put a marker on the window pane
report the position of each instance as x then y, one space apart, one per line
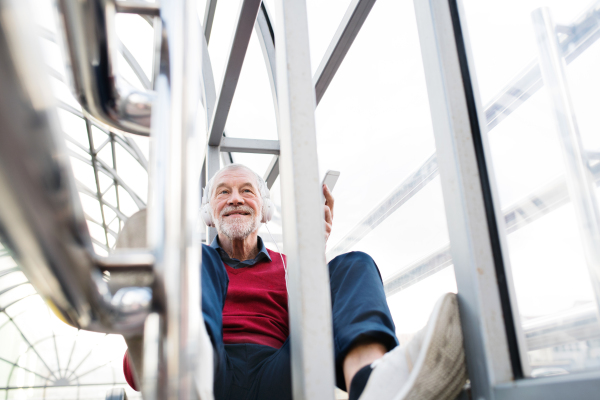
57 362
550 271
374 126
252 114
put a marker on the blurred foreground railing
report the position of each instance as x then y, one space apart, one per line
40 213
93 48
153 296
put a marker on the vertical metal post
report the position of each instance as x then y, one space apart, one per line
211 158
213 164
302 211
468 198
152 358
580 181
175 236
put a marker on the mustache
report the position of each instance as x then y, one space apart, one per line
229 209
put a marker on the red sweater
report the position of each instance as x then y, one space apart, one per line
256 304
256 307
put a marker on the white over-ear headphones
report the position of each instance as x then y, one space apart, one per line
268 208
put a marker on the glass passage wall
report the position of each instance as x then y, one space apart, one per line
41 357
374 125
544 146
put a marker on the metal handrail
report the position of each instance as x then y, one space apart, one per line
92 48
40 213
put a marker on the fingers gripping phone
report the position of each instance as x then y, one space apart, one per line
330 180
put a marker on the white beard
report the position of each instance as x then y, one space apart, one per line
240 228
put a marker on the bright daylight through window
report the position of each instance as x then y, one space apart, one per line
374 125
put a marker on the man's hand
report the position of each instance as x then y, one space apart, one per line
328 207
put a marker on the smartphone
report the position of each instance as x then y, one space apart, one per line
330 180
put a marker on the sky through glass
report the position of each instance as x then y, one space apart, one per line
373 125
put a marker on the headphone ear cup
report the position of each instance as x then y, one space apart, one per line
206 217
268 210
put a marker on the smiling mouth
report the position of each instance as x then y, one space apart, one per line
236 213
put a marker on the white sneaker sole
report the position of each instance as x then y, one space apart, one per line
440 371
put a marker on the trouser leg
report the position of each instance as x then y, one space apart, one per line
274 381
359 310
359 307
214 290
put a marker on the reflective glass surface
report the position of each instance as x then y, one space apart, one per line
545 237
252 113
374 126
41 357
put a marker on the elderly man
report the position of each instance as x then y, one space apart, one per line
244 304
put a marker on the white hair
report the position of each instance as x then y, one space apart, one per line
262 186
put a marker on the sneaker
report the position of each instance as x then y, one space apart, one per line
430 367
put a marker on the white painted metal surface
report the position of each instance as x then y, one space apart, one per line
353 20
237 53
259 146
303 226
486 343
178 258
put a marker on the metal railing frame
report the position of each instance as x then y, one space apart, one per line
494 342
42 219
92 47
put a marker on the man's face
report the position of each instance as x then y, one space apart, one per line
236 203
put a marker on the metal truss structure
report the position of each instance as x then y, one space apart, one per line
111 140
164 108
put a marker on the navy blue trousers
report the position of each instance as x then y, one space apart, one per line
258 372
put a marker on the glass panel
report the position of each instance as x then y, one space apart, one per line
552 283
127 205
63 93
10 334
408 318
220 38
132 172
257 162
91 206
57 362
324 17
23 378
77 149
12 296
74 127
356 116
374 126
11 280
5 368
106 183
141 142
127 73
44 14
252 114
137 36
6 262
97 232
84 173
106 155
52 57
